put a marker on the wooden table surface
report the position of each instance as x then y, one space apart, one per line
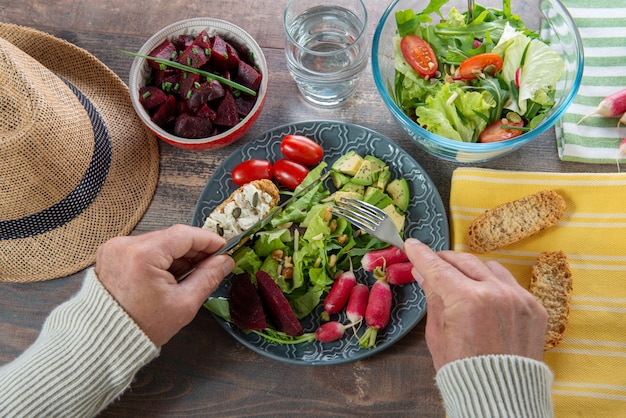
203 371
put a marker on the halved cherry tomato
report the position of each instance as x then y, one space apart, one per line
496 133
488 63
301 149
289 173
420 56
249 170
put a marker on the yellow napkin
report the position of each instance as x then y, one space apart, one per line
590 363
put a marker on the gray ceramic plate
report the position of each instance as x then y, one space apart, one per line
427 221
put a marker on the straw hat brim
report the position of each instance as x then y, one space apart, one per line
131 180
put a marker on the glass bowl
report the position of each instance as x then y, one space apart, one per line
548 17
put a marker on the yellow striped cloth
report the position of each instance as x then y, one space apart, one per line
590 363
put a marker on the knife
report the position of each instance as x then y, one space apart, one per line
256 227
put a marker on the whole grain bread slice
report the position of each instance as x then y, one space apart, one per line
551 284
260 187
513 221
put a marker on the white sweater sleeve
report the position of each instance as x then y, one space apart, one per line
496 386
86 356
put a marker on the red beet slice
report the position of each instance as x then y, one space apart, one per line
248 76
189 126
245 103
184 41
165 79
151 97
188 84
223 55
227 114
165 114
207 92
206 112
203 40
193 56
280 311
163 51
246 308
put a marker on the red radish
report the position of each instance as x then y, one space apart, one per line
383 258
357 303
377 313
612 105
339 293
400 273
331 331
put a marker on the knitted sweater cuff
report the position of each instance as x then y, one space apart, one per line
86 355
496 386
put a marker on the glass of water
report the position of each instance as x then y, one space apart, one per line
326 48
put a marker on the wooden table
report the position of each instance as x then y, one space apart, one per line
203 371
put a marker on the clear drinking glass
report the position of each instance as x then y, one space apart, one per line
326 48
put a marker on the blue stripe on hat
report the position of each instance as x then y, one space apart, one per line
78 199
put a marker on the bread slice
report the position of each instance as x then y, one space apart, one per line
243 208
551 284
513 221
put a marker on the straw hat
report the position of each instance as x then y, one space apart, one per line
77 166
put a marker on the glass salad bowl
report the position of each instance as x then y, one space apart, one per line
549 18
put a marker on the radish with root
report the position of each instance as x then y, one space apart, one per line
339 293
357 303
383 258
611 106
377 313
331 331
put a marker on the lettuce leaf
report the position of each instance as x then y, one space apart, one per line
456 113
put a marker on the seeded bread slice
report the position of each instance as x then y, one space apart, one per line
513 221
244 207
551 284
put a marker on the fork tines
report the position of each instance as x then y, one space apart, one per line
362 214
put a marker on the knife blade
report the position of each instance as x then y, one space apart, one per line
256 227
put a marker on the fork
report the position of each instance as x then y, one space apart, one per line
370 219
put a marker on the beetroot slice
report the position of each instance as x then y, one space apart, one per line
223 55
184 41
248 76
165 114
163 51
207 92
245 103
246 308
280 311
193 56
203 40
227 114
188 84
151 97
206 112
188 126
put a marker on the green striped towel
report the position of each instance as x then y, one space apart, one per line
602 27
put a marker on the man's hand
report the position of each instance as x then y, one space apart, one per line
140 273
475 308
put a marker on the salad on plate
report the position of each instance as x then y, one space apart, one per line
485 78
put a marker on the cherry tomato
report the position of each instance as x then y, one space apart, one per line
488 63
420 56
289 173
496 133
301 149
249 170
